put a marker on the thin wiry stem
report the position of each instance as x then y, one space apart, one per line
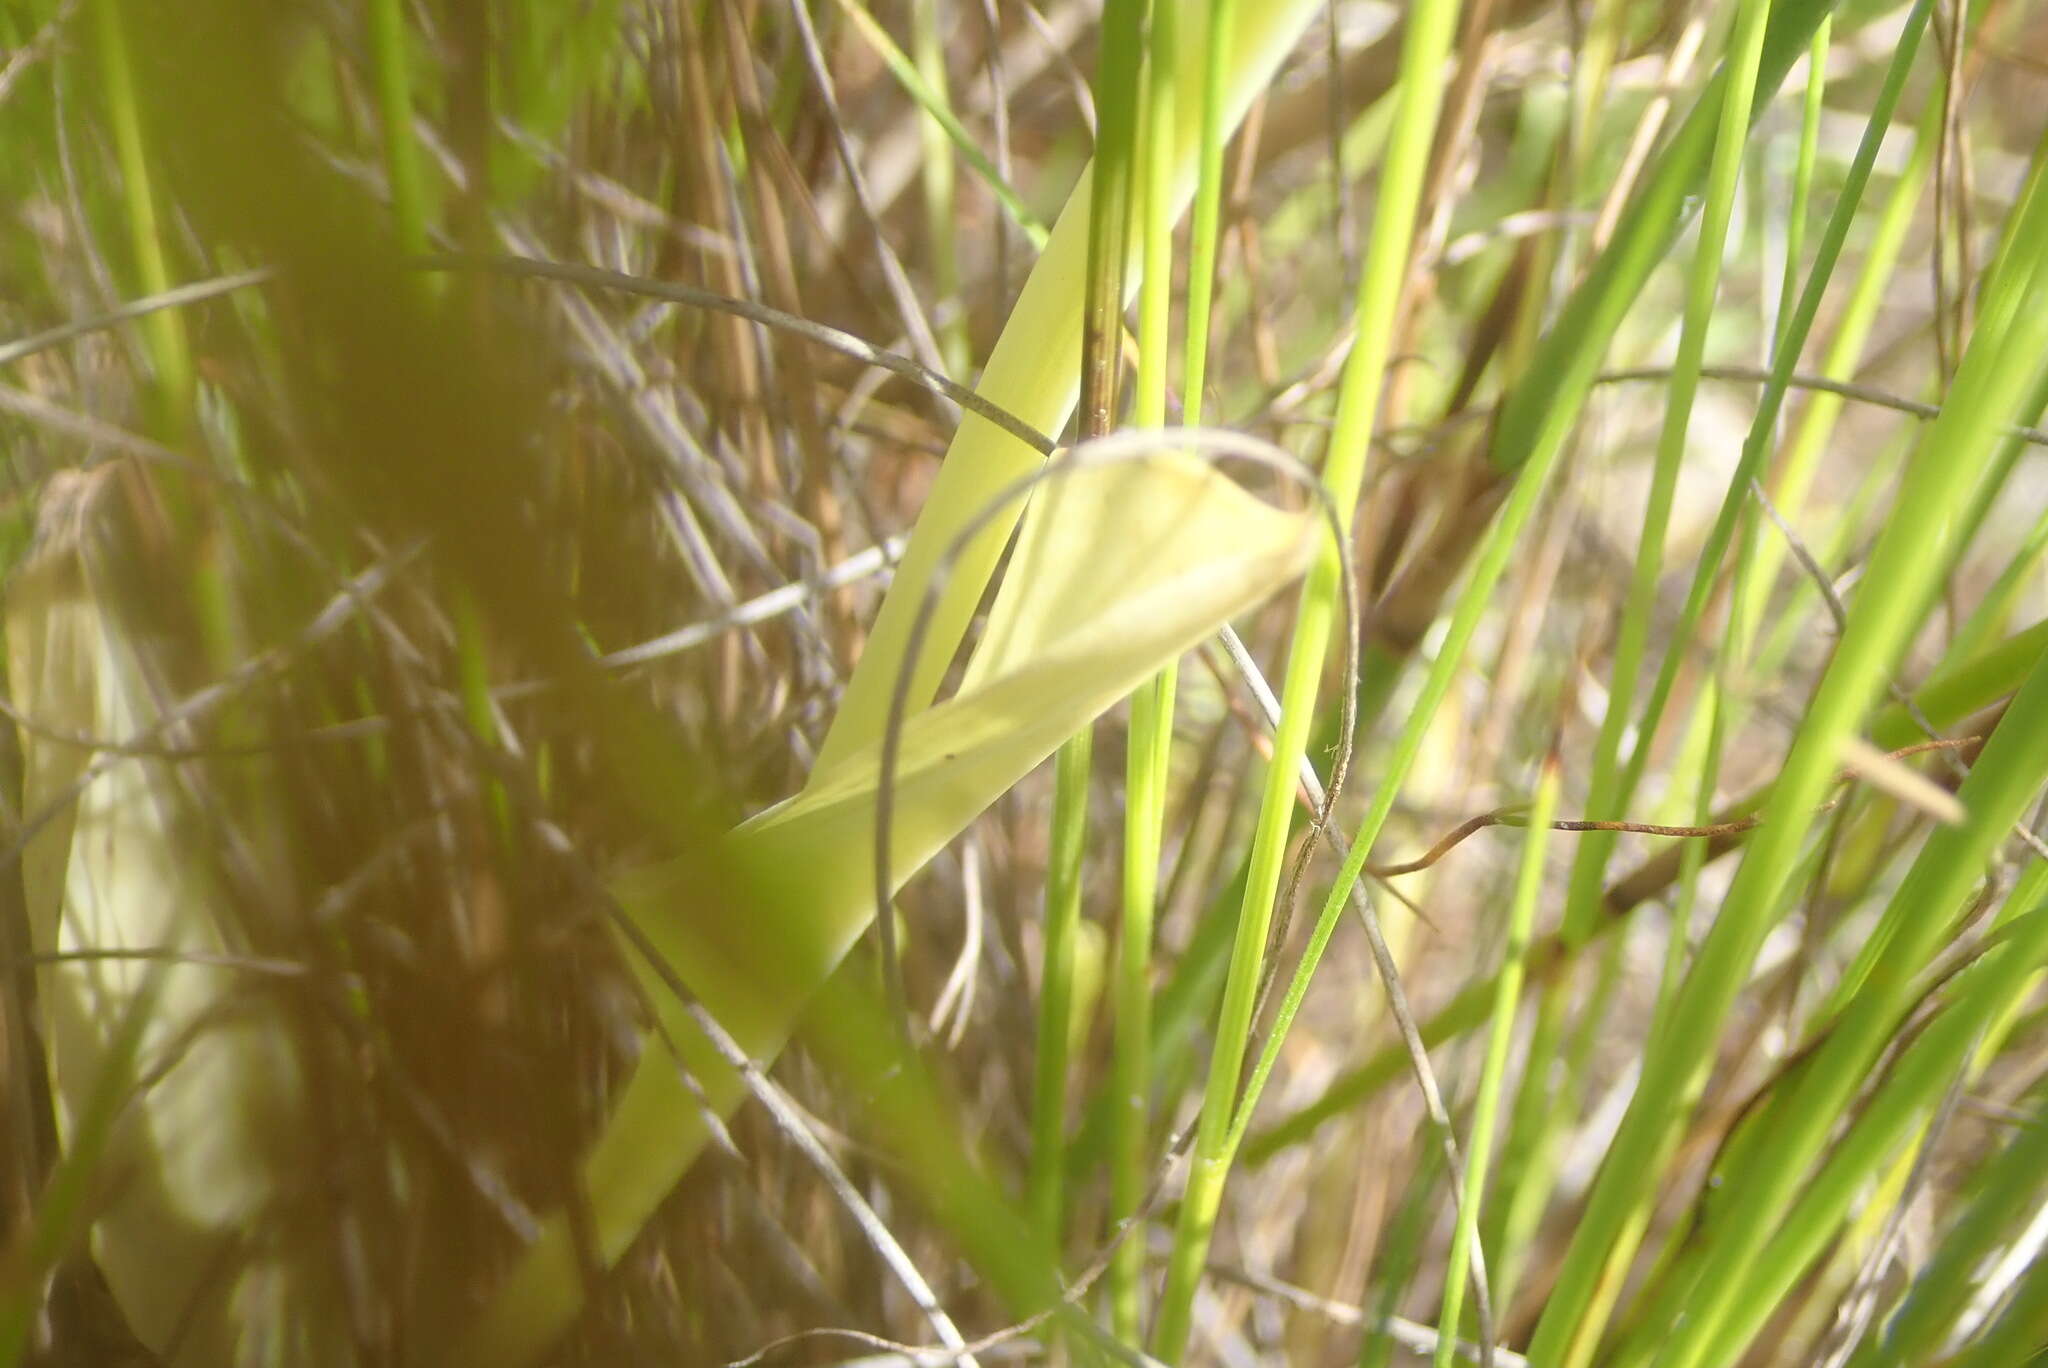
919 329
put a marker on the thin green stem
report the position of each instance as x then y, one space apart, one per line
1044 1184
935 107
169 351
1151 735
935 168
1493 1073
1953 692
1802 170
1208 210
1425 48
2000 784
1801 458
388 52
1905 571
1606 797
1764 424
1605 794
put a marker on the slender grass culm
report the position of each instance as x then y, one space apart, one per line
670 694
1427 41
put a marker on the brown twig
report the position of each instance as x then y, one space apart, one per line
1510 816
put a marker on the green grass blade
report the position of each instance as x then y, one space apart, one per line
170 351
1033 372
1425 48
1905 570
1493 1073
388 50
1045 1184
938 109
1137 98
1128 565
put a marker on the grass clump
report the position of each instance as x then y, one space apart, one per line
637 652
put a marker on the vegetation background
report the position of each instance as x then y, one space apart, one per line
459 461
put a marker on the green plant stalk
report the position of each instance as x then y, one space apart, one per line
1802 170
2000 784
1873 948
1953 692
935 169
1904 572
2008 1187
1047 1170
1108 182
938 110
1110 178
1425 48
1719 710
1590 1036
1613 1281
1844 353
1208 209
1529 1155
1493 1073
1992 611
170 353
1606 795
1666 1278
1570 153
389 56
1985 992
1203 239
1606 798
1764 424
1496 545
1487 568
1148 753
1722 719
1192 987
1543 1101
1184 1005
1564 363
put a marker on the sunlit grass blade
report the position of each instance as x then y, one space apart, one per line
1033 373
1128 565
